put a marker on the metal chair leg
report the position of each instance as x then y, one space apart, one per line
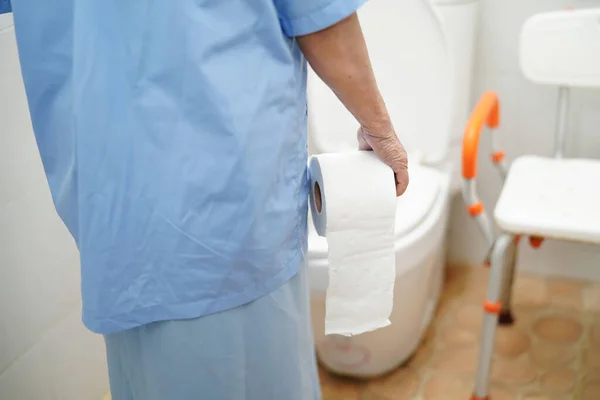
492 307
506 316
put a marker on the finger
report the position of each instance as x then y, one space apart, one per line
391 152
401 182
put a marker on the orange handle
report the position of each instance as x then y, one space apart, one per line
486 111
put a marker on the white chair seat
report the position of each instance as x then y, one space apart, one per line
551 198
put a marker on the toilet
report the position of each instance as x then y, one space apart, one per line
421 52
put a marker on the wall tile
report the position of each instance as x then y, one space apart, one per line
584 126
45 352
40 274
82 356
29 378
67 363
501 23
6 21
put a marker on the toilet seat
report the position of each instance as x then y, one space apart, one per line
412 208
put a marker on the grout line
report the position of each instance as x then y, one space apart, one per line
7 28
579 359
44 333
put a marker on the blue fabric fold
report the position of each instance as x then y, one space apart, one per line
5 6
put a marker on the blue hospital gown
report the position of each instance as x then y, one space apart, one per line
173 137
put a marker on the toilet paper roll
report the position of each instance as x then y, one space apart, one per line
353 205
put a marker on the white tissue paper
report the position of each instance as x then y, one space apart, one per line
353 205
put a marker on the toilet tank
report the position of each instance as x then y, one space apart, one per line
460 23
410 56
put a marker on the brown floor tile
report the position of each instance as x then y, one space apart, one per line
455 360
561 381
566 293
442 387
475 285
591 298
429 335
524 319
454 279
339 389
591 390
444 311
502 394
513 372
470 317
366 395
595 333
538 396
511 341
591 357
457 336
524 316
593 374
549 355
400 385
558 329
421 357
530 292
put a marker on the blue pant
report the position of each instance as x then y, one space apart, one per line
260 351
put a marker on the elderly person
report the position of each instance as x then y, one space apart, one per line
173 136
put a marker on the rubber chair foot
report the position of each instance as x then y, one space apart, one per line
505 318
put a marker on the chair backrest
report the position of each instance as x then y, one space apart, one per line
562 48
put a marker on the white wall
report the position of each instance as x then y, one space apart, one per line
45 352
527 126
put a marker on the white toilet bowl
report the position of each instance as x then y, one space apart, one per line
416 51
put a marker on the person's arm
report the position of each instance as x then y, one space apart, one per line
338 54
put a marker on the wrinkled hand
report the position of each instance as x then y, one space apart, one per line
388 148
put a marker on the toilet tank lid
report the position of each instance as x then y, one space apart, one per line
413 68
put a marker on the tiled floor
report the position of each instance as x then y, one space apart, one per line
551 353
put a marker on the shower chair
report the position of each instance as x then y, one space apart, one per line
542 197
